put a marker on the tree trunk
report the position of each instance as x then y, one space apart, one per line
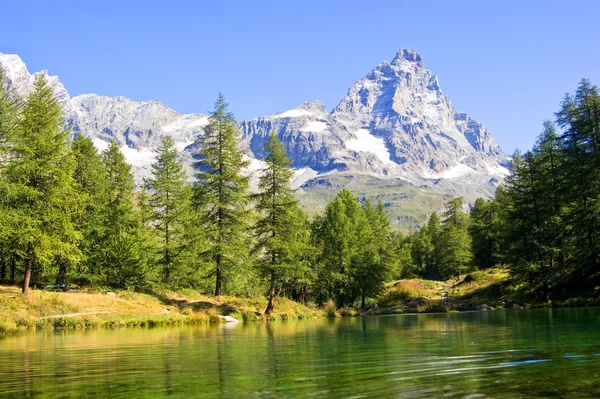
219 273
271 304
3 270
362 301
28 269
62 272
13 270
167 254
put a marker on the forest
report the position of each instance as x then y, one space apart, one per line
72 215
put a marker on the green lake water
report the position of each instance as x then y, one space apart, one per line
500 354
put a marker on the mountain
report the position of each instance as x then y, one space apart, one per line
395 136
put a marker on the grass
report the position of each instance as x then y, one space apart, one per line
478 290
95 307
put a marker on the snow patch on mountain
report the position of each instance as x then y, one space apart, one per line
138 158
303 175
497 170
186 122
292 113
366 142
100 144
183 145
314 126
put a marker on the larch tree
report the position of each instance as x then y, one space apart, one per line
125 261
341 250
170 200
454 241
37 185
10 107
281 232
91 184
377 258
221 193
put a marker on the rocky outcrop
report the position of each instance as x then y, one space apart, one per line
394 123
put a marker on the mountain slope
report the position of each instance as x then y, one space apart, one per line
395 136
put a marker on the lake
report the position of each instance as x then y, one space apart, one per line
500 354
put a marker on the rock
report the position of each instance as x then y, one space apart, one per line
257 314
111 294
395 124
229 319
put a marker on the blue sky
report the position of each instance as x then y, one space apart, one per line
506 63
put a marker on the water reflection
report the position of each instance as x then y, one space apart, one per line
498 354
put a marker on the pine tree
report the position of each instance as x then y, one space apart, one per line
91 184
433 254
484 231
125 261
580 119
10 107
454 241
280 230
171 202
377 260
339 235
37 187
221 192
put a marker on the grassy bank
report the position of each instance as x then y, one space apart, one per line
90 308
98 308
480 290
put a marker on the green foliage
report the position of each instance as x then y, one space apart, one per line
91 184
69 213
126 261
281 230
484 229
37 188
221 194
171 215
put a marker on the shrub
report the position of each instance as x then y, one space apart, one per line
329 308
400 293
434 307
7 327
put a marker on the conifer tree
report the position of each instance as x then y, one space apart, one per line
339 233
484 231
376 264
454 241
125 259
37 187
91 184
580 119
171 202
433 259
280 231
10 107
221 192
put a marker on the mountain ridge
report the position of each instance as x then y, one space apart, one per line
394 124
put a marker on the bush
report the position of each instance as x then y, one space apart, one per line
329 308
7 327
399 294
348 312
434 307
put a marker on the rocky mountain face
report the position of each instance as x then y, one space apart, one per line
395 136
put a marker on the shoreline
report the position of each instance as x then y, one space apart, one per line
97 308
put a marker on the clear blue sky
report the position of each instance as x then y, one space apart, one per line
506 63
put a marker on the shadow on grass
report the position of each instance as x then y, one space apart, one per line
223 309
